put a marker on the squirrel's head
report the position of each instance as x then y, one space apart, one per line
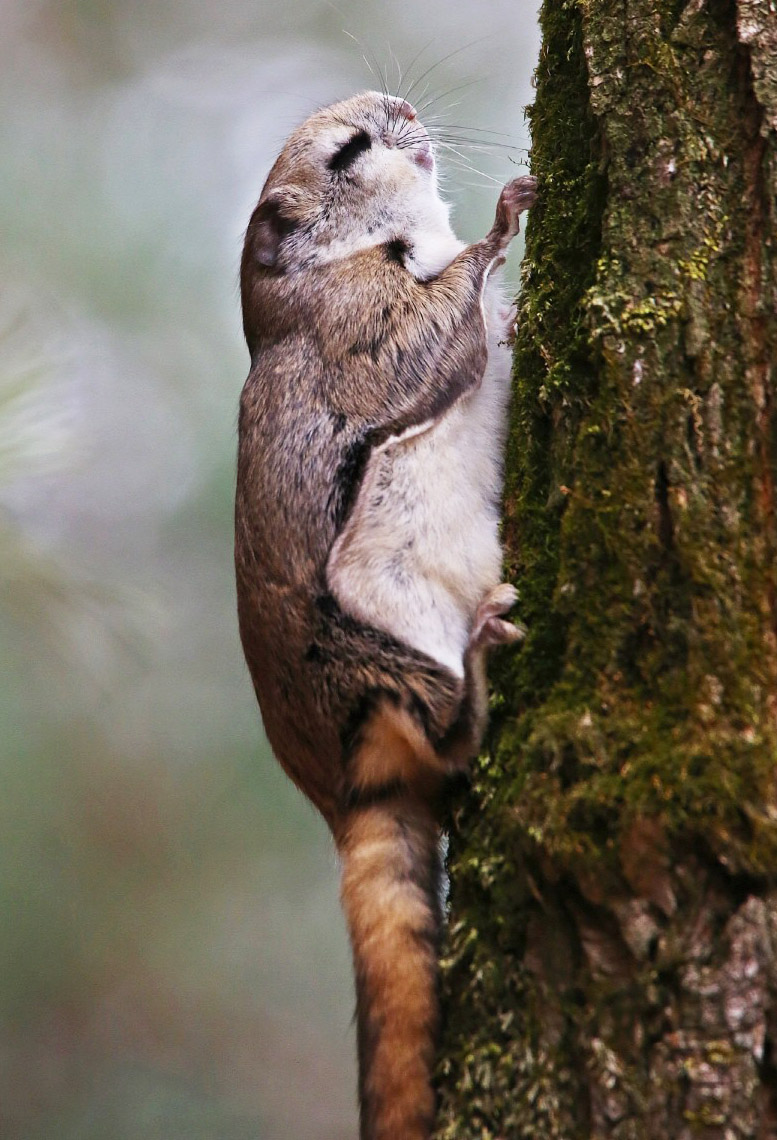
354 174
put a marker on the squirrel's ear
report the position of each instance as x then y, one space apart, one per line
270 223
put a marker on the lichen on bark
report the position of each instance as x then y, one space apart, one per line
610 960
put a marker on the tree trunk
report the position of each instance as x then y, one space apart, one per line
611 959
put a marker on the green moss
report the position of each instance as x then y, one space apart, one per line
554 372
639 713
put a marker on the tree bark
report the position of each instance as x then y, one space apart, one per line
611 960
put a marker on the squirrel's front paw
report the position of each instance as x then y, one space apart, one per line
489 628
517 196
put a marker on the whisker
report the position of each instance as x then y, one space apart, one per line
397 104
377 71
422 95
445 58
459 183
393 55
444 133
413 62
409 143
414 134
468 165
475 130
482 147
450 91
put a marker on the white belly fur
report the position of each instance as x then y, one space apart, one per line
421 546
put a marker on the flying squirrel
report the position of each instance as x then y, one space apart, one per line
367 550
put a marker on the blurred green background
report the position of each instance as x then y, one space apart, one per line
172 957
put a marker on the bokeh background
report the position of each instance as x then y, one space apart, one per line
172 957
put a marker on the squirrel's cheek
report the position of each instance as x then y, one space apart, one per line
423 157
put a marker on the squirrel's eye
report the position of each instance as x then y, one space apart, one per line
350 151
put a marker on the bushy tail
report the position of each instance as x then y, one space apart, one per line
390 893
